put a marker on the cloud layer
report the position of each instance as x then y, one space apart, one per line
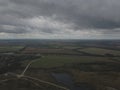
81 19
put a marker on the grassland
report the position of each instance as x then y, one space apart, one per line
100 51
99 80
85 63
50 51
10 48
52 61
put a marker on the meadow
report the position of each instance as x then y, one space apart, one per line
51 61
10 48
100 51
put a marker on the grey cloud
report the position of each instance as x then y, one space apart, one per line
84 13
12 29
99 15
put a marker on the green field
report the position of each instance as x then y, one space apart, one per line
51 61
100 51
100 80
10 48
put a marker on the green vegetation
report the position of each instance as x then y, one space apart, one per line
50 51
10 48
72 47
51 61
100 51
92 63
99 80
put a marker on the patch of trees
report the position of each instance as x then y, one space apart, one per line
14 61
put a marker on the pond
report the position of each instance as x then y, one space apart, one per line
66 79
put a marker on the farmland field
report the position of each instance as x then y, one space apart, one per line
90 63
50 51
100 51
51 61
10 48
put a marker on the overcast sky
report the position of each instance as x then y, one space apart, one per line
60 19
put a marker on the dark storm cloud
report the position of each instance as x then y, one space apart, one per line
99 15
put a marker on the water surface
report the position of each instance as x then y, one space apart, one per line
66 79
